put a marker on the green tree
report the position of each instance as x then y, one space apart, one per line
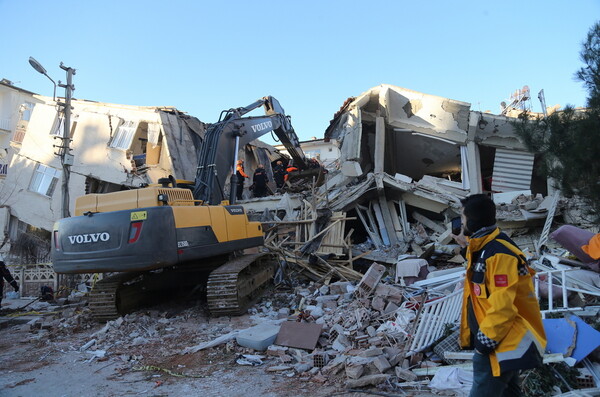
569 140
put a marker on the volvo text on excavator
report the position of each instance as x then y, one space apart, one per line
162 237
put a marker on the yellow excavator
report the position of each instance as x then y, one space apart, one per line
169 236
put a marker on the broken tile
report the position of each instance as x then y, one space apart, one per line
300 335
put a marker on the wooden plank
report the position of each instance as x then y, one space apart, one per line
428 223
548 358
385 237
395 220
375 238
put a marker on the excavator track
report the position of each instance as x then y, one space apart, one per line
110 297
234 286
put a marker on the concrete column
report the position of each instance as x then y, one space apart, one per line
379 154
474 162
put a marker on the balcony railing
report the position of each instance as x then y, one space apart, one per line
20 133
5 125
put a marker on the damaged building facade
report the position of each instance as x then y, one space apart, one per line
404 153
114 147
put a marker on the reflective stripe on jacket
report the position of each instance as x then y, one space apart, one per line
499 292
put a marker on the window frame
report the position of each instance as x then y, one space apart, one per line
123 136
44 180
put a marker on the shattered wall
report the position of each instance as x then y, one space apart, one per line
421 134
114 147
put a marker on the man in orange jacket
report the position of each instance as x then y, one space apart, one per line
290 168
241 175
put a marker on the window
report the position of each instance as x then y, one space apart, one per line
124 135
26 109
44 180
59 125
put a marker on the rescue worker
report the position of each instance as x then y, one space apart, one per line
592 248
259 181
241 175
279 174
501 317
290 168
5 275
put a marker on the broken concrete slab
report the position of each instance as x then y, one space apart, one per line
355 371
405 374
259 337
382 364
373 380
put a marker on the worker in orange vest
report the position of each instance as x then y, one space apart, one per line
241 175
290 168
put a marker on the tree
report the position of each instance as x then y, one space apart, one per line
569 140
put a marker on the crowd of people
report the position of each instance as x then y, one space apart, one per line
260 178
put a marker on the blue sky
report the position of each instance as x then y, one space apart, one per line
206 56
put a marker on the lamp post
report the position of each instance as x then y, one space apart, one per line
66 158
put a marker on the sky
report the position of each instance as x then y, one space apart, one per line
203 57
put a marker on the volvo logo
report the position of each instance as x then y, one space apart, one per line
89 238
262 126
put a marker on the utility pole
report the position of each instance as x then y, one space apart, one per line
66 158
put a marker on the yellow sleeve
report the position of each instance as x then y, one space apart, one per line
502 281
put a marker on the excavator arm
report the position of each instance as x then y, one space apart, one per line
218 153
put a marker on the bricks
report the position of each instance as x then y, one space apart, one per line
381 363
370 279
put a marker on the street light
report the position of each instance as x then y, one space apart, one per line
38 66
66 158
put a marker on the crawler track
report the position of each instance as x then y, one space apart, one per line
110 296
232 287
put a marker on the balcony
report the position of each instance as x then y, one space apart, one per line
20 132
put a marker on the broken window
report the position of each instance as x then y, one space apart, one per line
93 185
417 154
124 135
59 123
44 180
26 110
24 115
16 227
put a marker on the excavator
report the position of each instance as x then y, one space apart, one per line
167 236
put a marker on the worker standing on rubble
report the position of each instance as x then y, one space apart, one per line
290 168
279 174
241 175
501 317
259 181
5 275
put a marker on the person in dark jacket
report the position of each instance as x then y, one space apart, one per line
501 316
279 174
5 275
259 181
